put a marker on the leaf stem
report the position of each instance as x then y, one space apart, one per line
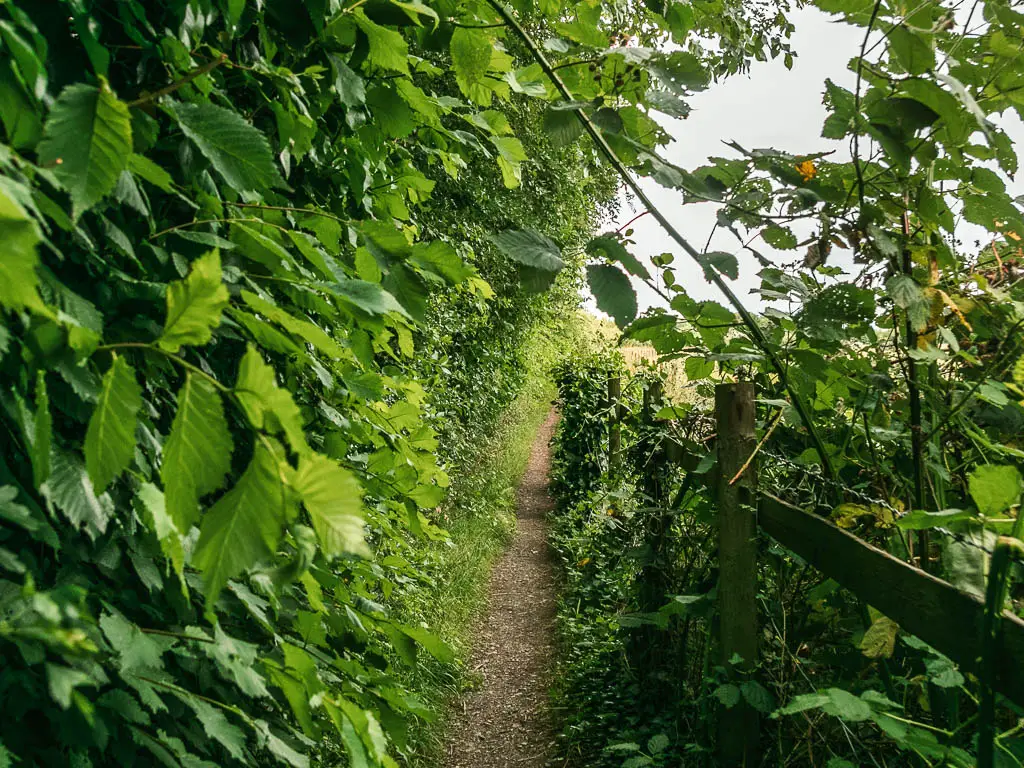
174 358
201 70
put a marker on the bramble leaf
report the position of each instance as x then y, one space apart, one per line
530 248
995 488
613 292
19 280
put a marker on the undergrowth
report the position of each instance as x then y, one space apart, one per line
479 516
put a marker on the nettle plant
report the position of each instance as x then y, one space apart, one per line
217 455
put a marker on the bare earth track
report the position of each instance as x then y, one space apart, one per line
505 723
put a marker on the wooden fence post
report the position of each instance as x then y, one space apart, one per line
738 727
614 429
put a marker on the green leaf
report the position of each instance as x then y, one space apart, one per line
42 432
304 329
563 126
239 152
912 50
333 498
31 520
995 488
610 246
244 527
19 281
779 237
268 407
920 519
197 455
846 706
88 138
613 292
110 438
350 86
471 51
69 489
907 295
369 297
757 696
136 650
144 167
728 694
159 521
388 49
659 742
879 640
723 262
194 305
62 682
530 248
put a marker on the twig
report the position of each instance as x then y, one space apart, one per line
757 448
207 67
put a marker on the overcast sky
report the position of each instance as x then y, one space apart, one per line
769 107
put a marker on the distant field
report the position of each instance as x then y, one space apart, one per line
678 389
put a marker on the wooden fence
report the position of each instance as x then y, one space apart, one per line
938 613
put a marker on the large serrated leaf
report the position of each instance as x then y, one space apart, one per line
154 505
267 406
69 489
369 297
613 292
19 280
611 246
333 498
197 456
239 152
388 49
110 438
88 138
304 329
530 248
194 305
471 51
245 525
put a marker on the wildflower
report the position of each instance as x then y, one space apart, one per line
807 170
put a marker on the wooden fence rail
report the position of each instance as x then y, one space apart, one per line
945 617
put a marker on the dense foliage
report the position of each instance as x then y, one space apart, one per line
887 357
248 286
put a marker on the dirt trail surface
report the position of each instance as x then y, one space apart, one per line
505 723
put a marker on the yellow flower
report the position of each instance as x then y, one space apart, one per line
583 562
807 170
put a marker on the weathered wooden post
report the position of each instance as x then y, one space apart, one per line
738 727
614 428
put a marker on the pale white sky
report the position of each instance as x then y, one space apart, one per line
769 107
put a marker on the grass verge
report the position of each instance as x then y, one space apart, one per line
479 515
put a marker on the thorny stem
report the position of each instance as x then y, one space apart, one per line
595 134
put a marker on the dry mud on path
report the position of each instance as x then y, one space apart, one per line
505 722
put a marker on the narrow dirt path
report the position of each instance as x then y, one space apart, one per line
505 723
